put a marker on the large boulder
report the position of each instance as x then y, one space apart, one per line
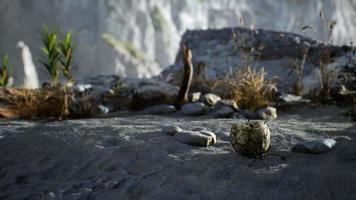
217 53
251 139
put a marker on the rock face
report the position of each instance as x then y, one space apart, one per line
251 139
222 51
154 27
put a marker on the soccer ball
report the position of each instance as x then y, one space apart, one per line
251 139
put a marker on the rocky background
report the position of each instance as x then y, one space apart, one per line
145 34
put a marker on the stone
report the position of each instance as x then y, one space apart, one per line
194 109
194 97
342 138
227 103
210 99
152 92
194 138
251 139
267 113
225 112
82 87
198 128
161 109
247 114
209 133
284 97
171 130
315 146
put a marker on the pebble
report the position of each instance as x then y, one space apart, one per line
161 109
315 146
342 138
194 138
209 133
194 109
194 97
171 130
267 113
226 103
198 128
210 99
225 112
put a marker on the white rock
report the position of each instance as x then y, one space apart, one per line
209 133
267 113
194 97
194 138
210 99
194 109
171 130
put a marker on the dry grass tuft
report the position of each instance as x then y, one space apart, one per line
34 103
248 87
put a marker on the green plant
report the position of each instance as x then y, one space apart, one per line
66 50
51 54
4 74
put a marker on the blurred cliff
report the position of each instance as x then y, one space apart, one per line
138 38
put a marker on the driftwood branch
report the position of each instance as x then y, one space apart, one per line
182 97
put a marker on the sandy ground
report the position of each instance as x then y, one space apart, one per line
128 157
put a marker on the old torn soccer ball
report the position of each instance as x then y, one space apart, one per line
250 139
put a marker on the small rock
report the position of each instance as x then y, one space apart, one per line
289 98
209 133
226 103
210 99
51 195
248 114
83 87
171 130
161 109
315 146
225 112
194 138
267 113
342 138
85 190
194 97
198 128
103 109
110 184
194 109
